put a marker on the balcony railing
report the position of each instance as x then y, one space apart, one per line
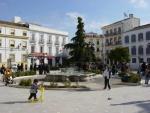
41 41
113 44
49 42
57 43
112 34
32 41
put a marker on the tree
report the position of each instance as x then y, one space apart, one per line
80 51
120 54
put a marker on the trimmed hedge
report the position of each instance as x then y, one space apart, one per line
131 78
25 82
23 73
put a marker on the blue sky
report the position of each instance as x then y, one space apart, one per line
61 14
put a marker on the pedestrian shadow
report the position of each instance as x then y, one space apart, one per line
132 102
143 105
14 102
85 90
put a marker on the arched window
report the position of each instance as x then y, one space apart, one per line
133 38
140 36
148 49
140 50
126 39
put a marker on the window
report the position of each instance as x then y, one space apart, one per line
32 49
24 33
57 40
50 38
148 60
41 38
115 31
57 50
133 60
12 43
97 49
64 40
140 37
140 50
111 31
148 49
50 50
12 57
41 49
24 58
12 31
24 44
141 60
33 37
133 50
0 42
0 58
107 32
133 38
119 30
97 42
148 35
126 39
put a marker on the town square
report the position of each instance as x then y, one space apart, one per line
78 56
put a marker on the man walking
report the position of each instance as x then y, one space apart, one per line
106 75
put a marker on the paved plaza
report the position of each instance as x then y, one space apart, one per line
135 99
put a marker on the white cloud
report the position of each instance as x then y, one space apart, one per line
95 26
143 22
90 25
75 15
139 3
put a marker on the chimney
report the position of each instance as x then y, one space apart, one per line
130 15
17 19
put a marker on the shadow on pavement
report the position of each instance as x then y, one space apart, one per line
85 90
15 102
145 105
133 102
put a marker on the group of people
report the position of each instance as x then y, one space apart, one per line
144 71
42 68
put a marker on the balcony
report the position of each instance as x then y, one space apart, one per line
63 43
32 41
112 34
49 42
41 41
57 43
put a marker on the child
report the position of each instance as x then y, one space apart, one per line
33 90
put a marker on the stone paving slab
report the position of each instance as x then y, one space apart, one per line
124 100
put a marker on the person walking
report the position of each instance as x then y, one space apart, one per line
147 74
106 75
34 90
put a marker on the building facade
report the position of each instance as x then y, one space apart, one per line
13 43
97 42
46 45
22 42
113 33
138 42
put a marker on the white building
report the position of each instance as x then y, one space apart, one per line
46 45
97 41
13 43
138 42
113 33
